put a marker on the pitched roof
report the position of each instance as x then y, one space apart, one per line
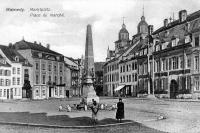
11 54
190 17
34 46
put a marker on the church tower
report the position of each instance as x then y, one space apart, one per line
123 39
142 27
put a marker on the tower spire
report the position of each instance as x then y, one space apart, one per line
143 10
123 25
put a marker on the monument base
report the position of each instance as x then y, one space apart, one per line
89 99
89 93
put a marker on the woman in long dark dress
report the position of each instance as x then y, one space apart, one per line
120 110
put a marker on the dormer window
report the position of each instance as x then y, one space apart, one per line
187 39
145 51
17 58
40 55
26 62
58 57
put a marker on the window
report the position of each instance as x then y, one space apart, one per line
37 79
133 66
43 79
174 43
60 91
129 78
49 78
56 91
55 68
15 93
197 83
0 92
196 41
49 67
18 70
43 66
127 68
170 63
7 82
4 93
164 64
43 92
136 77
197 63
14 70
188 61
1 72
175 62
121 69
181 62
1 83
18 81
17 58
55 79
157 66
26 71
37 92
61 68
14 81
37 66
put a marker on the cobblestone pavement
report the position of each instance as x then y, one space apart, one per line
180 116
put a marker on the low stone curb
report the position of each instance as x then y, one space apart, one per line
57 126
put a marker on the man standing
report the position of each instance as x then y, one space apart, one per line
120 110
95 109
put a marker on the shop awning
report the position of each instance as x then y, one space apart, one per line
119 87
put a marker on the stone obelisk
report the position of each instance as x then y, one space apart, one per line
89 73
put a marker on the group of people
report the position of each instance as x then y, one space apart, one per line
119 114
95 107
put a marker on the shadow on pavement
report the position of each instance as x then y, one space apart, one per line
42 118
65 120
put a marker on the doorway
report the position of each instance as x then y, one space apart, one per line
7 93
49 91
173 89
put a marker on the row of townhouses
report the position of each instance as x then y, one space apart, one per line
30 70
164 62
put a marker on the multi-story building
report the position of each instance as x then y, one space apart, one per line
47 72
111 67
163 62
73 77
124 57
98 84
176 56
14 74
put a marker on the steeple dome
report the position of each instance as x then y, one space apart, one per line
142 26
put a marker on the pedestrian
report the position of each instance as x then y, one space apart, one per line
120 110
95 109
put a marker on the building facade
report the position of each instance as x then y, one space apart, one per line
47 72
176 56
164 62
14 74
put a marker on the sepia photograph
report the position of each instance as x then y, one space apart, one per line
100 66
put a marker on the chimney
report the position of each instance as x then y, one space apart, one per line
150 29
40 43
35 42
48 46
10 45
182 15
165 22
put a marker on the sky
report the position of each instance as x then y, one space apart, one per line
67 34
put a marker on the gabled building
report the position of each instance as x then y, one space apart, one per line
47 72
14 74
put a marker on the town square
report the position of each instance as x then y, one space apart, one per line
87 66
